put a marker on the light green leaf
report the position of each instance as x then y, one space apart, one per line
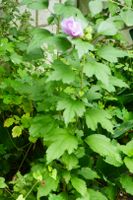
95 6
96 195
82 47
16 131
8 122
70 161
79 185
118 82
88 173
39 37
62 72
94 93
129 3
35 4
107 28
20 197
111 54
51 185
57 197
67 11
103 146
127 183
127 17
71 109
63 141
101 71
95 116
129 163
128 148
16 58
2 183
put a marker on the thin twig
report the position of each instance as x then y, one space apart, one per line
24 157
119 4
31 189
36 18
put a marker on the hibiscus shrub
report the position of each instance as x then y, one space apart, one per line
66 103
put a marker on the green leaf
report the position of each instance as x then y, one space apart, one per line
16 131
8 122
127 17
67 11
123 129
20 197
70 161
79 185
50 185
117 82
129 3
127 183
35 4
82 47
96 195
2 183
57 197
71 109
110 192
39 37
63 141
42 126
129 163
88 173
128 148
101 71
111 54
107 28
95 116
16 58
94 93
62 72
103 146
95 6
61 43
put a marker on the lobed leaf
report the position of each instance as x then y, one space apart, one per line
103 146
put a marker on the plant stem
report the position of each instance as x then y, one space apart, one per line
119 4
36 18
24 157
31 189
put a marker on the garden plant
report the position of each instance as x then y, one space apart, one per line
66 101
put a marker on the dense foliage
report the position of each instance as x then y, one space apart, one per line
66 104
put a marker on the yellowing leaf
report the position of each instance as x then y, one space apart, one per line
8 122
16 131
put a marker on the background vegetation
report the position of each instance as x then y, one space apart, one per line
66 104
